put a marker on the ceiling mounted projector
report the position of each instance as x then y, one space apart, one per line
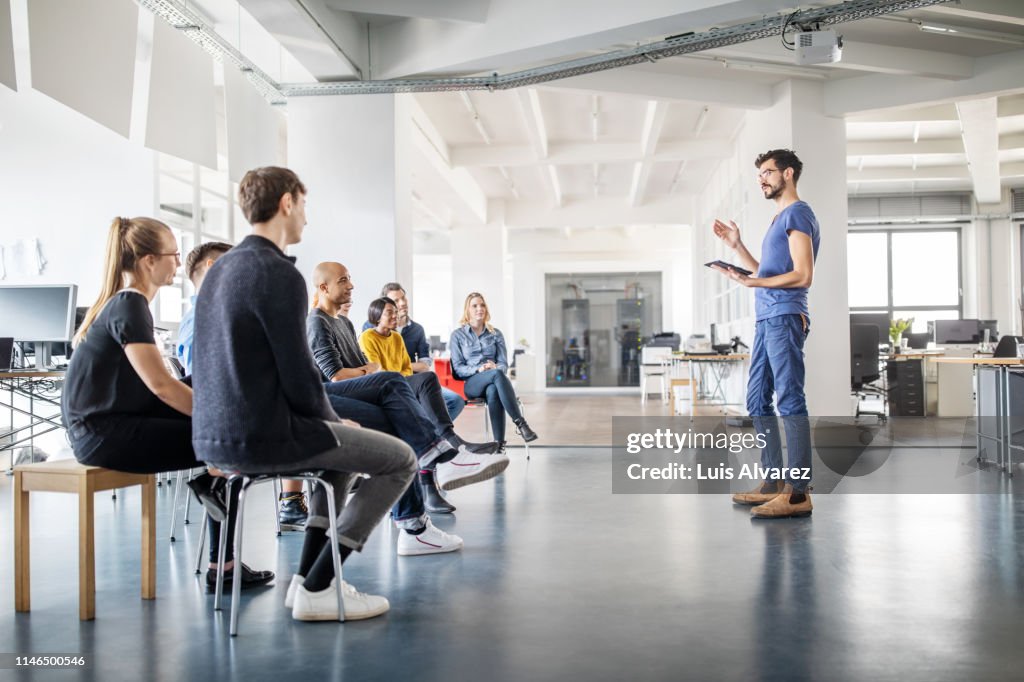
818 47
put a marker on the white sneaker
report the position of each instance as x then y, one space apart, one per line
468 468
432 540
289 597
323 605
440 447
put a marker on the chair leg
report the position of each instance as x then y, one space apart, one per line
222 547
332 513
188 501
202 544
236 583
277 496
174 505
643 387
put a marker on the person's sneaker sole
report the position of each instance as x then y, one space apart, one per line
484 474
322 617
293 526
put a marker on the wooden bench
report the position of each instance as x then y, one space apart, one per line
68 476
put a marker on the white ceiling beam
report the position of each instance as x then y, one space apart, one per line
1002 11
600 211
1011 141
330 45
533 119
858 56
1012 170
993 75
642 82
1011 106
519 32
981 143
868 175
571 154
429 142
468 11
654 121
537 132
932 113
902 148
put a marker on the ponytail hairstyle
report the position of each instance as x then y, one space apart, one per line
129 240
465 311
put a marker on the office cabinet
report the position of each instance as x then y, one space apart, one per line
905 379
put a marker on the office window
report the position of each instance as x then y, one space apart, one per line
198 205
906 273
867 273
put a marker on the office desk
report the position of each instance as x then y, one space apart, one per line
42 390
711 372
995 427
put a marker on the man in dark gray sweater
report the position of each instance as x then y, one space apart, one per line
336 351
260 406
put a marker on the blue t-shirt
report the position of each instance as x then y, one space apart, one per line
776 260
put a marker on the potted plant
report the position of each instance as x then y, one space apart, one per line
896 329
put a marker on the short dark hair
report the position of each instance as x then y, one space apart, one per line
783 158
202 253
376 309
391 286
260 192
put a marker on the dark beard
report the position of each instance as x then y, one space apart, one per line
776 191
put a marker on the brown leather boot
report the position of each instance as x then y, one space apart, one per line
766 492
782 508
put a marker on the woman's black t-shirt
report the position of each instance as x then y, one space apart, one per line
100 380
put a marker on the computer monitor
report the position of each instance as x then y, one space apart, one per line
952 332
993 330
42 313
880 320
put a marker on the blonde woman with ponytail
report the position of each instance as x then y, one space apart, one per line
121 407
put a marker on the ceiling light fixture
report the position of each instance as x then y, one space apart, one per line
476 116
965 32
702 118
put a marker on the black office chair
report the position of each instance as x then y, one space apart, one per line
864 366
1007 347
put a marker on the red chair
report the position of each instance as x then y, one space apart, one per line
443 369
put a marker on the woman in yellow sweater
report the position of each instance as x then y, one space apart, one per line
381 343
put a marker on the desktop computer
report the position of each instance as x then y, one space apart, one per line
42 314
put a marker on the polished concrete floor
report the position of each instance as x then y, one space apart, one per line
560 579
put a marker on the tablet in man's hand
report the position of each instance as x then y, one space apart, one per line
729 266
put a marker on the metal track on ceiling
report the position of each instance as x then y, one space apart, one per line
182 18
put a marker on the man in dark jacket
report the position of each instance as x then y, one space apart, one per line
260 405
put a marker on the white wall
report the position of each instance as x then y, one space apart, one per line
344 151
63 177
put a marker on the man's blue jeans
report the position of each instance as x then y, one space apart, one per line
777 366
454 402
380 402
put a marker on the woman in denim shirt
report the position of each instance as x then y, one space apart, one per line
480 359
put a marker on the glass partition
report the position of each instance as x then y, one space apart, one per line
596 325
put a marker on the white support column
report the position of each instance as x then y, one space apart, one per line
797 120
350 152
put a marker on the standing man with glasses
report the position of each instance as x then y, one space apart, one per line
782 279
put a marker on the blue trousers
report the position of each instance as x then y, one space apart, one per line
454 402
501 398
777 367
383 401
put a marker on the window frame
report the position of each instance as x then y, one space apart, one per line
893 310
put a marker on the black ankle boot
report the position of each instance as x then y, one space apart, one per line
525 431
433 500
